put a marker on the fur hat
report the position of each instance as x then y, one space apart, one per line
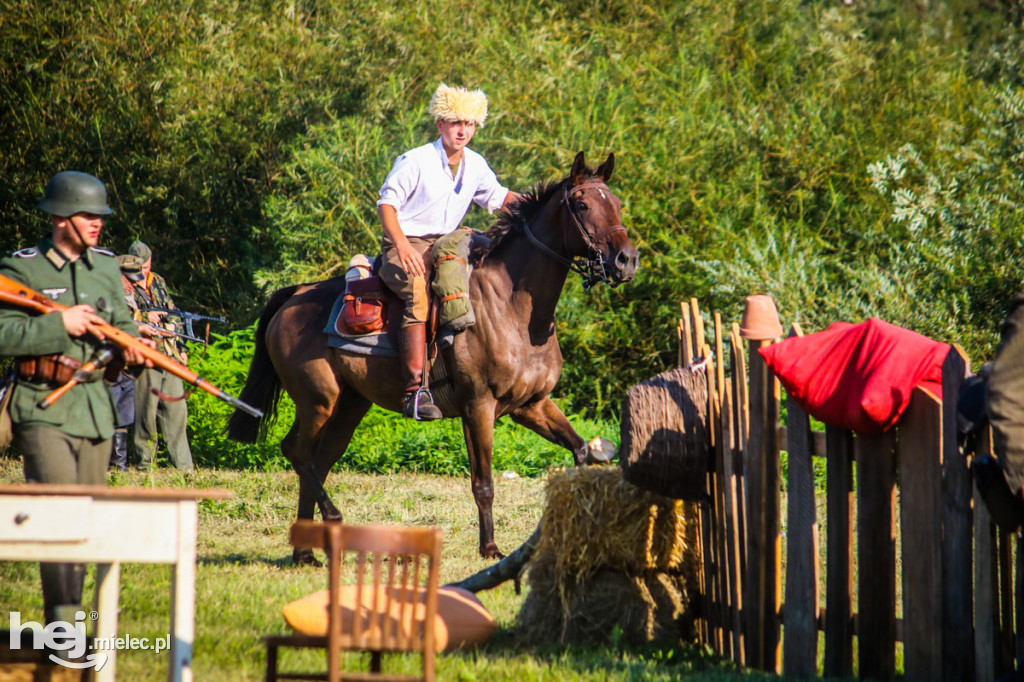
459 104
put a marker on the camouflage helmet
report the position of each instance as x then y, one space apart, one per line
71 192
131 267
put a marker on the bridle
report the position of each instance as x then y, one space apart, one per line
590 268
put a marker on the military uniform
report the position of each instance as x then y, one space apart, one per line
122 391
85 413
68 442
151 412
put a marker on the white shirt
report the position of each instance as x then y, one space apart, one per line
428 199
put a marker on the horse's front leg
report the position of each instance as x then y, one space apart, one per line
478 429
545 419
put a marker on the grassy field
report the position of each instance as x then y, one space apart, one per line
245 576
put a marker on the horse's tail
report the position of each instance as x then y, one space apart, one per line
262 385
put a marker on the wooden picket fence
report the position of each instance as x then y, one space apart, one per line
955 621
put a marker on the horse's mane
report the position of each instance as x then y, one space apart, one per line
525 209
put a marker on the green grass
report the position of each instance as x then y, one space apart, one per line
245 576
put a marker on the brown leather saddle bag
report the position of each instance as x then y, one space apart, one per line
365 307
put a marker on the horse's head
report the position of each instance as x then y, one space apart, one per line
595 234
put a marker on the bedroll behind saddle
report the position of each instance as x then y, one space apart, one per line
451 279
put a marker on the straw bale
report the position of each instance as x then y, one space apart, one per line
611 558
594 519
638 608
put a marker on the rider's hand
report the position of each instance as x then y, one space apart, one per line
82 319
412 260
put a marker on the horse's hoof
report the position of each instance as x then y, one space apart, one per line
304 557
491 551
600 451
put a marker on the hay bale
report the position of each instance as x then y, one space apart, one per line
593 519
611 557
638 608
664 434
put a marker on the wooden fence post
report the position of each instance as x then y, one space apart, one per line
800 645
957 655
739 417
839 572
920 461
876 554
762 461
986 591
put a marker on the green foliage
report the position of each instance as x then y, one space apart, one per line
225 362
246 142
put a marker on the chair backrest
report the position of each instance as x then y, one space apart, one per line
391 604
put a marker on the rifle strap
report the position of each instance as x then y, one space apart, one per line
169 398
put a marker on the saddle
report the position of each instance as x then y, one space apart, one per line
368 306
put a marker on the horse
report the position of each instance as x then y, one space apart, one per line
505 364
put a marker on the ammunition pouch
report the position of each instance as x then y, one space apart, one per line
53 370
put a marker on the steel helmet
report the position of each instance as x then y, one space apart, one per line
71 192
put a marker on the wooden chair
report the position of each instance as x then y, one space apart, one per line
390 563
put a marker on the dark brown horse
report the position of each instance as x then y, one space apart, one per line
506 364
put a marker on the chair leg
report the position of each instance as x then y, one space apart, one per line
271 674
375 662
428 666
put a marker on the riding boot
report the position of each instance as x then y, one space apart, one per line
119 453
418 403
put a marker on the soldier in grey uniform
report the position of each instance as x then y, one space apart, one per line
69 441
153 411
122 391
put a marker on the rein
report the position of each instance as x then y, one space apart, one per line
591 268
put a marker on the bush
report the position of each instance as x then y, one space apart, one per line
246 143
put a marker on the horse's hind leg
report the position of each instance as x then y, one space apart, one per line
326 449
545 419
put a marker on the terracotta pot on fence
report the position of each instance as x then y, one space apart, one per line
760 319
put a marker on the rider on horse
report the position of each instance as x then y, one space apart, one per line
422 202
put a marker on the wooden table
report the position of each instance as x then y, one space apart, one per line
110 526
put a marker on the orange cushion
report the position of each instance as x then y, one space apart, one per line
461 622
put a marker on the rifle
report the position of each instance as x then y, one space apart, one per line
167 333
187 318
17 294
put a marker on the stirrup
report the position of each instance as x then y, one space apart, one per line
423 407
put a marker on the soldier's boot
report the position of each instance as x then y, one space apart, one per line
412 347
62 590
119 451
